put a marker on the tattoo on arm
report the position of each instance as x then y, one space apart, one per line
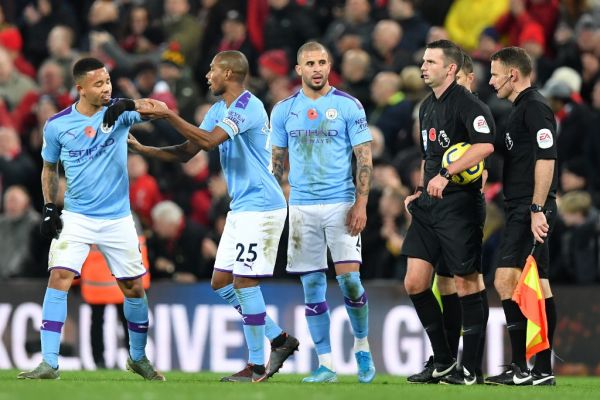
364 168
278 161
50 182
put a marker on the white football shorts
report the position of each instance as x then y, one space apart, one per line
312 228
117 239
249 243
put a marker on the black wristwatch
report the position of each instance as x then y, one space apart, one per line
444 172
536 208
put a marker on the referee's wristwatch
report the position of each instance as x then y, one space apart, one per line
444 172
536 208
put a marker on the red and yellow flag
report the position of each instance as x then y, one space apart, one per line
528 295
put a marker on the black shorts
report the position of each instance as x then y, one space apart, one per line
517 239
447 232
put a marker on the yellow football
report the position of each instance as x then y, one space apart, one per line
467 176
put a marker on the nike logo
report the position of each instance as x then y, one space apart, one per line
511 326
470 382
467 330
439 374
520 381
47 219
507 257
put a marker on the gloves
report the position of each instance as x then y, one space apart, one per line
51 222
115 109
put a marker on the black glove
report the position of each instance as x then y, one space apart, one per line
51 222
115 109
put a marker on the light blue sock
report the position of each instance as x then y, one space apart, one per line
54 314
227 293
316 310
254 312
136 314
356 303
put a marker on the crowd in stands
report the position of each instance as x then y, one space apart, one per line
163 48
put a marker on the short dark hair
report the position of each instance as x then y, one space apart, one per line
467 65
514 57
234 60
84 66
452 53
311 46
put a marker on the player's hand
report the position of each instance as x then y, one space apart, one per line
539 226
356 219
116 109
410 199
152 109
51 223
134 145
436 186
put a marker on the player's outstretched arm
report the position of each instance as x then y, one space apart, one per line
278 155
357 215
179 153
203 139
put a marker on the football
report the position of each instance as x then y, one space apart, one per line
467 176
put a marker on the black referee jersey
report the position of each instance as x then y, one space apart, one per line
530 136
457 116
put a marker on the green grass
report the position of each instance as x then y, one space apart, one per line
122 385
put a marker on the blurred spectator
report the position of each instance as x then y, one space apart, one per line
387 56
191 189
414 27
590 74
574 175
176 248
593 146
579 242
38 19
143 189
12 42
466 20
13 84
60 46
288 26
104 16
356 75
32 138
351 31
17 224
394 225
139 36
272 65
181 27
173 70
392 113
16 166
235 37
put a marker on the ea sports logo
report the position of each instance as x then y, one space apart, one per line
467 176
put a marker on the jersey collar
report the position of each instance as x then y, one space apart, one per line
446 92
523 94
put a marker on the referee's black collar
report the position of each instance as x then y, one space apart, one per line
446 92
523 94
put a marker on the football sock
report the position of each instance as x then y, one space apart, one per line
452 321
473 327
316 310
136 314
357 305
227 293
430 315
486 315
516 323
543 359
253 313
326 360
54 314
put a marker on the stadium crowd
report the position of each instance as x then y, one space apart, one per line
162 49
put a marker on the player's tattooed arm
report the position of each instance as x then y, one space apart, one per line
50 182
179 153
364 169
278 155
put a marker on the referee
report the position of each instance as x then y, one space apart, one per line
446 221
529 181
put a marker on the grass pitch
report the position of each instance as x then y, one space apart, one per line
122 385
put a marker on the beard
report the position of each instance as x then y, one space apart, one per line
314 87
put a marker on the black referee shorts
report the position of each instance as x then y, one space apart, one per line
517 239
447 232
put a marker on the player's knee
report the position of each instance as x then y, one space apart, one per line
351 285
132 288
60 279
220 279
415 286
314 286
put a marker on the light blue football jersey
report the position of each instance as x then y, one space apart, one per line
246 156
319 135
95 161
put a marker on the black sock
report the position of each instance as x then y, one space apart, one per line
279 340
429 313
452 321
259 369
543 359
473 326
516 324
486 314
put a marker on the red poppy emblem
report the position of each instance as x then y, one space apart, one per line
312 114
89 132
432 134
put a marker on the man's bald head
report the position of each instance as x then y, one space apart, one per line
234 61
